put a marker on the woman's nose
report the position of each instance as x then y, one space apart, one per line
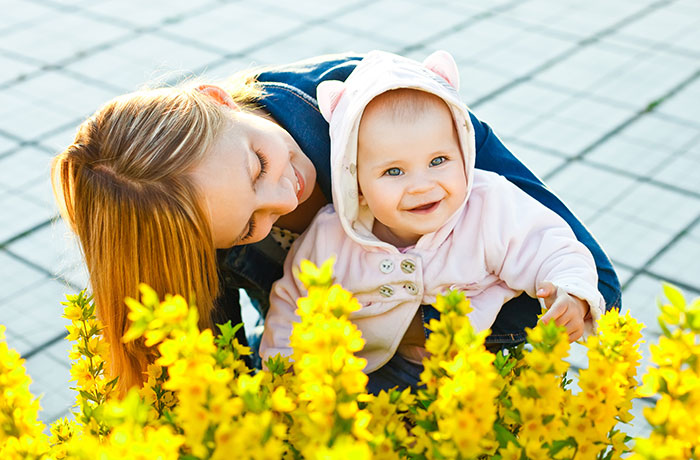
279 197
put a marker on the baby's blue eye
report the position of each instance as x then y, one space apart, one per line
437 161
393 172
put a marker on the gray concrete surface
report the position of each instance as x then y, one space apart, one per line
601 98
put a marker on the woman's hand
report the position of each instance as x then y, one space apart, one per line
564 309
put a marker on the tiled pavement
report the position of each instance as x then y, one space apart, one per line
600 98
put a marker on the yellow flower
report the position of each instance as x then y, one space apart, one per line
511 452
280 401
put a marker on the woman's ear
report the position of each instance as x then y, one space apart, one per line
328 94
219 95
442 63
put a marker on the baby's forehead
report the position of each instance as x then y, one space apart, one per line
403 104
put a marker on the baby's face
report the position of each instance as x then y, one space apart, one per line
410 173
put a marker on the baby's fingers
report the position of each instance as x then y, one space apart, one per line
547 291
575 333
555 313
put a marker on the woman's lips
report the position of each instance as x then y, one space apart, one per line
425 208
300 184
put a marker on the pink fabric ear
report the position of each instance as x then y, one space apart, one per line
328 94
442 63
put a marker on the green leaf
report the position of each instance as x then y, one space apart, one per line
556 446
674 296
515 415
504 436
427 425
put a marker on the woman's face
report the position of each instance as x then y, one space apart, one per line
254 173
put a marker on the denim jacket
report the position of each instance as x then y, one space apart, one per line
291 100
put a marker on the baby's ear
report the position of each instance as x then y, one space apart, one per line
328 94
442 63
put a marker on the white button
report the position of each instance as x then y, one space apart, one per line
386 290
408 266
386 266
411 288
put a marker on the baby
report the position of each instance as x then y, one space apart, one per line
412 218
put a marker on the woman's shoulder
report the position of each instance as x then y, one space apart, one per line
306 74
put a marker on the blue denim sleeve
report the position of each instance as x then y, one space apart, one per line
493 155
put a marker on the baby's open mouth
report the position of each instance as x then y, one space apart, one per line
425 208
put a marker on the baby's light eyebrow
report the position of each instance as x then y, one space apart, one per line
387 164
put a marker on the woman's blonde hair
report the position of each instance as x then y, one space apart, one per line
124 187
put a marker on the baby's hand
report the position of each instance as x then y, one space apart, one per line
565 309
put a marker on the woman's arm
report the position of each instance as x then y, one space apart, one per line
492 155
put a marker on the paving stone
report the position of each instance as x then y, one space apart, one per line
623 274
62 94
640 299
588 190
683 104
23 167
56 143
312 9
664 26
514 111
55 249
148 60
59 36
19 214
580 18
34 313
583 70
525 54
657 207
12 69
150 13
7 145
399 22
314 41
681 261
479 81
478 38
15 276
628 241
647 79
51 382
28 13
540 162
218 30
575 125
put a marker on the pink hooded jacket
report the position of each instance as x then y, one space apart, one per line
499 243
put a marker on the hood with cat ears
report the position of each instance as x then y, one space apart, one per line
342 105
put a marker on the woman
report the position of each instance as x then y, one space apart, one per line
157 181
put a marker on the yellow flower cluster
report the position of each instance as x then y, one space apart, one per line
535 399
328 376
461 385
675 419
608 386
89 355
201 401
21 434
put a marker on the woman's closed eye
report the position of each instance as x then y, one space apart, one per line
263 163
251 230
437 161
